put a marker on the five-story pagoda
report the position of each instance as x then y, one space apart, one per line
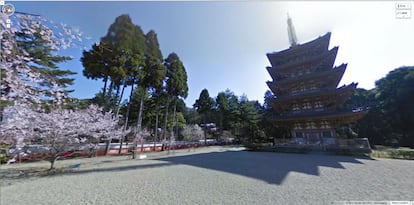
307 97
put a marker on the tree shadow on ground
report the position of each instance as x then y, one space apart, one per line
11 176
266 166
269 167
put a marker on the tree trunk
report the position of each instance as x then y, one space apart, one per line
156 125
108 142
166 122
110 89
108 98
102 101
134 150
205 130
52 162
166 119
126 116
174 120
117 88
104 88
120 98
139 121
141 109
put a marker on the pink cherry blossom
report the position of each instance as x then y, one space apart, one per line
59 130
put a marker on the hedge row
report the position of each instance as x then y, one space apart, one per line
394 154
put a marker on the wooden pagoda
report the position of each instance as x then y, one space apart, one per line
307 97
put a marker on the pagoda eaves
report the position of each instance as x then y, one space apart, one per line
325 98
315 46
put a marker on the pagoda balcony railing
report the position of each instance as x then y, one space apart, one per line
309 91
316 74
308 110
313 112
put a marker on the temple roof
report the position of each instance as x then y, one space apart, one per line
341 95
315 46
331 79
337 117
336 73
325 59
330 99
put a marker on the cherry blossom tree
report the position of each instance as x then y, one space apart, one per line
139 138
59 130
192 133
25 87
106 126
16 126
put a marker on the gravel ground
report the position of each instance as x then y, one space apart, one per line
214 175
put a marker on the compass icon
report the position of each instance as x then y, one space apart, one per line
8 9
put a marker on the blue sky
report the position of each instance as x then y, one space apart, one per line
224 44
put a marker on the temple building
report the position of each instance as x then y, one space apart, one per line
307 97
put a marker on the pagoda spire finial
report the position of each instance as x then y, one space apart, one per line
291 32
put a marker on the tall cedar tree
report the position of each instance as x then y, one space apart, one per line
153 73
117 59
204 105
176 84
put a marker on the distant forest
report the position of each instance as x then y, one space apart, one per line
390 120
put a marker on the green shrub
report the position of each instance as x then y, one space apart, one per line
394 154
402 154
3 158
380 154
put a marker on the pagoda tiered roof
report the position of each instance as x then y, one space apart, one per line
321 62
310 62
331 79
335 74
337 97
308 49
